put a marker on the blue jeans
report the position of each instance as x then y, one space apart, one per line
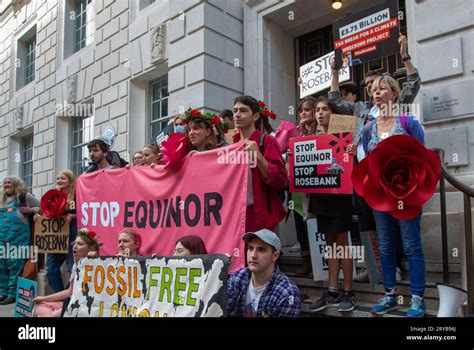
55 261
387 227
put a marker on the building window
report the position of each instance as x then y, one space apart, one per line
145 3
27 161
82 131
30 60
25 59
159 107
84 27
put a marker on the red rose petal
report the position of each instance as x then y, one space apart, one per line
359 173
376 197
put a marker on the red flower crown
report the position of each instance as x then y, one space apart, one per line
198 116
265 111
84 232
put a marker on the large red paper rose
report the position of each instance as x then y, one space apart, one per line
174 149
53 204
399 176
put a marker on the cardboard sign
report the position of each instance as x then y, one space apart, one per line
320 252
150 287
341 123
320 164
316 75
26 292
367 35
52 235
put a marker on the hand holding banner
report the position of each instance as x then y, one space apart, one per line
150 287
198 198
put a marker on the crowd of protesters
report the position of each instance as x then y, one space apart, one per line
260 289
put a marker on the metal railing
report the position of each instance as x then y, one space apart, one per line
468 193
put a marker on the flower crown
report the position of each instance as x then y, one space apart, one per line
265 111
84 232
198 116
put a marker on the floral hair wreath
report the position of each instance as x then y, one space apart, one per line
84 232
265 111
199 116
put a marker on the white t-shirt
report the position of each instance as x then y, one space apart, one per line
253 296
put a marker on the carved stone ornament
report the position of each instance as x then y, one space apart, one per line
71 89
19 117
158 42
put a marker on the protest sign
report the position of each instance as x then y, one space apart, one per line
320 252
150 287
320 164
341 123
367 35
52 235
199 198
316 75
26 292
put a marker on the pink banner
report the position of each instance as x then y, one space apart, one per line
206 197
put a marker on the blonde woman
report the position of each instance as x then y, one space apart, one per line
65 182
385 91
15 204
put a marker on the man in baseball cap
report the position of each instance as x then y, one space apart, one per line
261 289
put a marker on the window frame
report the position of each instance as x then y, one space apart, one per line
163 82
82 145
27 161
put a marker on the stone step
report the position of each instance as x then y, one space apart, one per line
434 270
368 293
431 236
362 310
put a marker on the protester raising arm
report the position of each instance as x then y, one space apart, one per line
346 107
413 83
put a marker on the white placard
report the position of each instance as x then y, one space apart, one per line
317 247
316 75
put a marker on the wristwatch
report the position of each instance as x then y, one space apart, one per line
406 58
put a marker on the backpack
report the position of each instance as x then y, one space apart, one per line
281 192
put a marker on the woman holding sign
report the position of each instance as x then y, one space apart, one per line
129 242
15 206
189 245
66 183
334 215
200 129
52 305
